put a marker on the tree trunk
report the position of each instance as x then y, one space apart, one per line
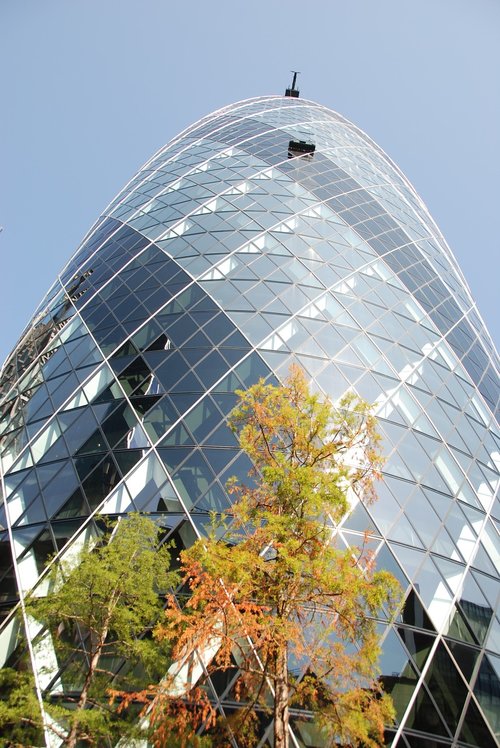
281 696
72 736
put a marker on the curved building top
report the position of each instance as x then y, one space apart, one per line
198 179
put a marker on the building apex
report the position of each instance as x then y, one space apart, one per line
292 91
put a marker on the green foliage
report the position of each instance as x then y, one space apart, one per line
20 718
97 615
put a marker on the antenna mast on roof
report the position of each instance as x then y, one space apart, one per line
292 91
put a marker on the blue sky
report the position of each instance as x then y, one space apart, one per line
91 88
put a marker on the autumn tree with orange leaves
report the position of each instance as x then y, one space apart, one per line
275 602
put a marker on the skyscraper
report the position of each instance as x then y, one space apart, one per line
272 231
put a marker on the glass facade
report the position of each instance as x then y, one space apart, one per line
224 260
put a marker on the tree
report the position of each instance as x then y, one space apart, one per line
97 618
276 600
20 718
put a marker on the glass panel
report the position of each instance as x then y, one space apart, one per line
466 657
159 419
418 644
397 673
474 729
487 690
46 439
101 481
414 613
75 506
446 687
214 500
202 419
21 497
424 715
475 608
59 489
193 478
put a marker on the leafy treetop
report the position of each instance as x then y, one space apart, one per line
276 601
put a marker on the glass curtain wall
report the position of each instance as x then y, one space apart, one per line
228 257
